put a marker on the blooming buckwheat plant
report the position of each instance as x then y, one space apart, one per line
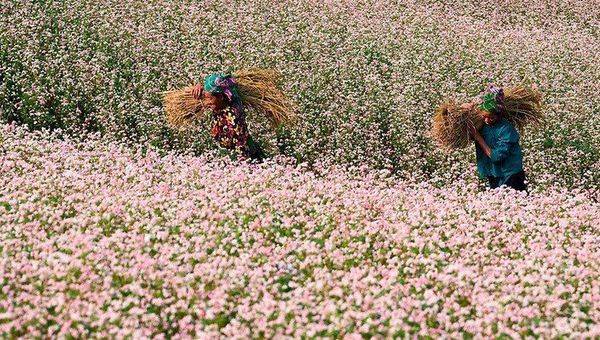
100 240
113 225
366 75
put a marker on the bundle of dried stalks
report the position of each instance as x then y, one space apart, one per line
523 107
183 110
450 125
258 91
450 130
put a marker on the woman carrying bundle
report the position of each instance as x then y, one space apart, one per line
499 157
219 94
226 98
492 123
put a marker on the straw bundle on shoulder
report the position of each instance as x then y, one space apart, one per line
258 90
450 129
450 125
183 110
523 106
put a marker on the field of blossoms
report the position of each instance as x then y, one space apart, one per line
114 225
101 240
366 74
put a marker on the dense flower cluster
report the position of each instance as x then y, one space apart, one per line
366 74
100 240
362 227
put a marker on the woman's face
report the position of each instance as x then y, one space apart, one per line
488 117
211 101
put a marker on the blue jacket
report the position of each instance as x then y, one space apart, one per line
506 158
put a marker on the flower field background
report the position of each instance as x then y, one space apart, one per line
114 225
366 75
101 240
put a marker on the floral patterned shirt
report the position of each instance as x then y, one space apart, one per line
230 130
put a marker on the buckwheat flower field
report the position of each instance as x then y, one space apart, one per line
98 240
113 225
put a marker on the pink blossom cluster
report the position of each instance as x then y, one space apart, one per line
366 74
100 240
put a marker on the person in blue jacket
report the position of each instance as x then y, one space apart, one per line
499 156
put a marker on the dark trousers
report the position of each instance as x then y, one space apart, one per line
255 151
516 181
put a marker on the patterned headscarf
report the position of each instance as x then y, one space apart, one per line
493 100
222 83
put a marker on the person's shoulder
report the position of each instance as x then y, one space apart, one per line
507 128
504 124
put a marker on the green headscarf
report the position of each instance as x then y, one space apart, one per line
210 83
493 100
489 102
222 83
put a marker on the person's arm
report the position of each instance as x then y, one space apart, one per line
197 91
502 147
479 140
486 149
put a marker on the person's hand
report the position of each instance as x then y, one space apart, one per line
467 106
197 92
472 130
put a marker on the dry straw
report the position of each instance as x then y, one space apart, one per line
523 107
450 123
258 91
183 110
